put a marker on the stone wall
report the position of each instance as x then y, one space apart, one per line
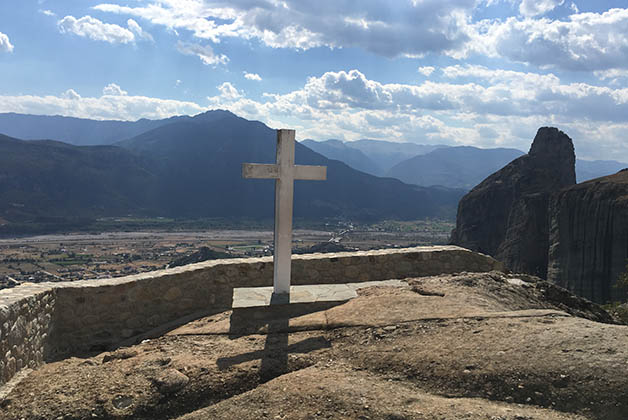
49 321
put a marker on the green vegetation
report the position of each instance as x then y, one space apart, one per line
133 224
71 259
414 226
622 281
620 309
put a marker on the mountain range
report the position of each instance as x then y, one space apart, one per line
375 157
429 165
462 166
188 167
76 131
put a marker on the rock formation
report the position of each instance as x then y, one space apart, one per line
203 254
464 346
506 215
588 242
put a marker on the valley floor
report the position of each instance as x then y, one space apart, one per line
78 256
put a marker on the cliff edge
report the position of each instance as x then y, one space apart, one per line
588 242
506 215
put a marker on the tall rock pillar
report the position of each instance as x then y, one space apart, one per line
589 237
506 215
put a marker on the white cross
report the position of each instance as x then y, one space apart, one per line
284 172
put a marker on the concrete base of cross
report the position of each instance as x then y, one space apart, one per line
248 297
279 298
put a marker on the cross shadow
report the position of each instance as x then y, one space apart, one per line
274 322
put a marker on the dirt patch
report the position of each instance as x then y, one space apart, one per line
337 391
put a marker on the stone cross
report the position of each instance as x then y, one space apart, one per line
284 172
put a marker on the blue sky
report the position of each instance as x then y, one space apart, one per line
486 73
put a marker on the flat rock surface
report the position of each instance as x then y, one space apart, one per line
471 346
344 392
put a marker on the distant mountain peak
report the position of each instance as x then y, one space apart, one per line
213 115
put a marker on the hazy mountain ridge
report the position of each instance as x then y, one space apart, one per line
388 154
76 131
591 169
191 167
49 179
459 167
452 167
339 150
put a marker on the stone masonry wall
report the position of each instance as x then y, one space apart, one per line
25 323
49 321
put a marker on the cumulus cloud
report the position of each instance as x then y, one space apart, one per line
477 105
204 52
416 27
611 74
426 70
493 92
108 106
538 7
228 92
97 30
70 94
5 44
252 76
138 31
47 12
113 90
583 42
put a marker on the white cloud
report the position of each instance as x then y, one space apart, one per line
138 31
47 12
611 74
583 42
499 108
105 107
5 44
204 52
513 78
538 7
70 94
252 76
96 30
415 28
228 92
113 90
426 70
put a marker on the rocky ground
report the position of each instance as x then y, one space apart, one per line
471 346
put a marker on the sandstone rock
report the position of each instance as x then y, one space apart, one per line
170 381
203 254
589 237
506 216
120 354
121 402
